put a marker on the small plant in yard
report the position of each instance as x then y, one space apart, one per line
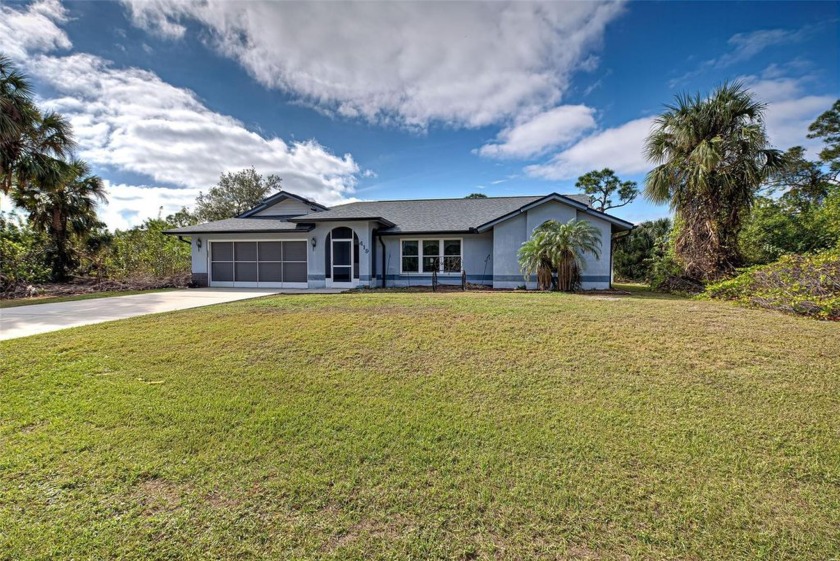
801 284
559 248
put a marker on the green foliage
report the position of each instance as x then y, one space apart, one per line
827 127
23 256
634 253
65 210
234 194
31 141
559 248
800 284
802 183
602 185
145 251
476 196
712 155
780 226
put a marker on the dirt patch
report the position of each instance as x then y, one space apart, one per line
220 501
91 286
159 495
393 529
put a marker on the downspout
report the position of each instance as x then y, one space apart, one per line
181 239
384 272
372 259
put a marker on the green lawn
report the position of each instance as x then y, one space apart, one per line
425 426
89 296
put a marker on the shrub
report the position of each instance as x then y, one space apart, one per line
634 254
23 254
146 252
807 285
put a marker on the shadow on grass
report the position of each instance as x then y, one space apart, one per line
643 291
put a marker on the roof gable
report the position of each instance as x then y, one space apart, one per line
282 198
572 201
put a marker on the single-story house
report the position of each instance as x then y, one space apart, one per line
289 241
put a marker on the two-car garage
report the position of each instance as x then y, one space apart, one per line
257 264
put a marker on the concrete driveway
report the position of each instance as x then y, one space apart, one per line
41 318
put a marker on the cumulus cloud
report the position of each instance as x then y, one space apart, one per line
131 204
789 109
129 120
542 132
34 29
409 63
132 120
620 148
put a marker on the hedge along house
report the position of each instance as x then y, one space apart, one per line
288 241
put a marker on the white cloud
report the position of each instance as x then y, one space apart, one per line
407 63
129 205
788 113
132 121
542 132
620 148
787 121
747 45
33 29
789 109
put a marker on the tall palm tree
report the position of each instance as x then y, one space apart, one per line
712 155
557 247
62 203
29 139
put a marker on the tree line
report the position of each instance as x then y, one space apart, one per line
736 201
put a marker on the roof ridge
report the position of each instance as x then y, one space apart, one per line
444 199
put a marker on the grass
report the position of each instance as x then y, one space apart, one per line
89 296
425 426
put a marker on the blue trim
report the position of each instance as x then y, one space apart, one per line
441 278
595 278
482 278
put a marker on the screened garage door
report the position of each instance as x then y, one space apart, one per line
277 264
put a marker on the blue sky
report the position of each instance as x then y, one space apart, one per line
402 100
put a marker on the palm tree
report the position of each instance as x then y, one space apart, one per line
29 140
556 247
62 203
712 155
535 257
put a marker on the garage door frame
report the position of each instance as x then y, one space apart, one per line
251 284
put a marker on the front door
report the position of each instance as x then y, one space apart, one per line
342 263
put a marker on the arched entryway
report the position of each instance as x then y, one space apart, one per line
341 258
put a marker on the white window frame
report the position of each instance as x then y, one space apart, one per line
440 255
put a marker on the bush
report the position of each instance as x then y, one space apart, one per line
23 255
634 254
146 252
807 285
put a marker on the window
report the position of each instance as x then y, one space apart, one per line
430 255
410 256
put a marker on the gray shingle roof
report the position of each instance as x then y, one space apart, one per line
429 215
246 225
419 215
